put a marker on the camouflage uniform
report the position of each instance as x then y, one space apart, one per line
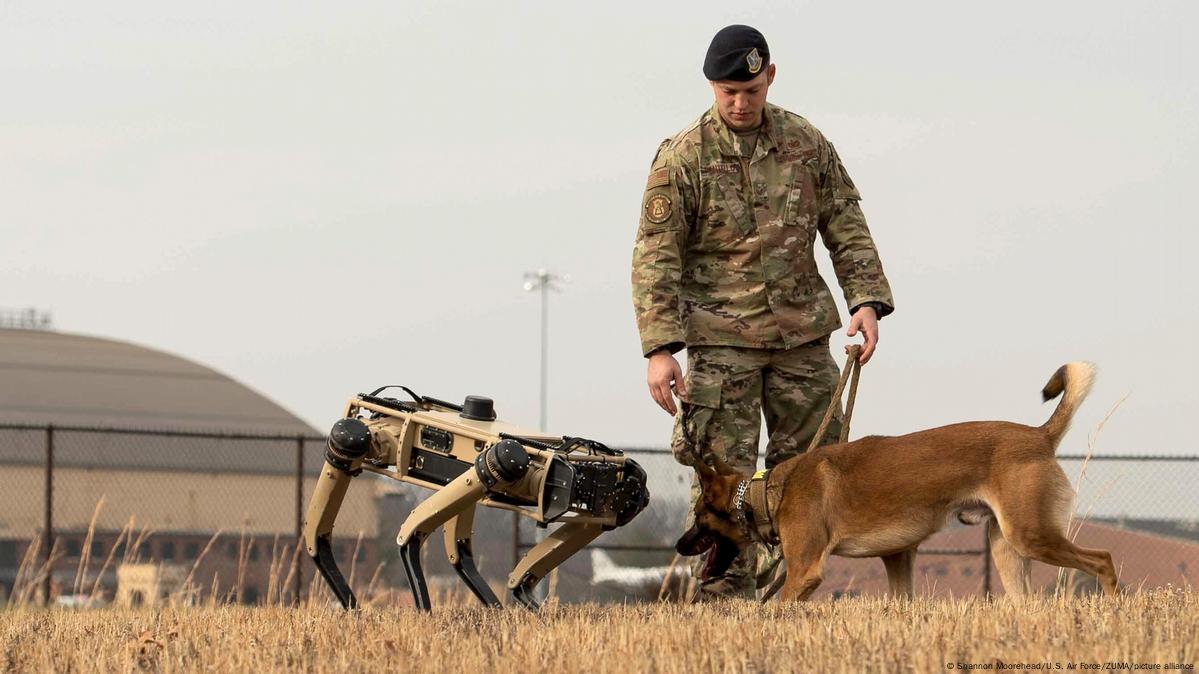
724 266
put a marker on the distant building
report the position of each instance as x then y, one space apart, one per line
148 584
177 489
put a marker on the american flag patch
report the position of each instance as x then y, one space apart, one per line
658 178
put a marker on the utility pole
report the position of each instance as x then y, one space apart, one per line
543 281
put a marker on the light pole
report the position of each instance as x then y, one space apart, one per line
544 281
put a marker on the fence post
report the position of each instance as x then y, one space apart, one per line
48 525
987 559
298 571
515 540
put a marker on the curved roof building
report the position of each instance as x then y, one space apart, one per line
87 386
145 433
64 379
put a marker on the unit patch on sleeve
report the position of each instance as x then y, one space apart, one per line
657 209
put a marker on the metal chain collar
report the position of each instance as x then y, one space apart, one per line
739 508
739 497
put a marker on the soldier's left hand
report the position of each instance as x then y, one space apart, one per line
866 320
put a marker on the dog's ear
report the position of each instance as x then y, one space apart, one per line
714 486
709 482
723 468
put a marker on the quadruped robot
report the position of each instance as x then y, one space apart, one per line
469 459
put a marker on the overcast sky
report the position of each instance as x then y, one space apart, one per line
322 199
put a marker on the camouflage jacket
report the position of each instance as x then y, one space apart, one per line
724 252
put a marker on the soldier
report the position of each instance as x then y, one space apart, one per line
723 266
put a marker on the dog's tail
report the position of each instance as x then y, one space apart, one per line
1074 380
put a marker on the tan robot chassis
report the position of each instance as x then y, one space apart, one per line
468 459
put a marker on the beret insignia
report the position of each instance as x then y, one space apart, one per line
657 209
754 61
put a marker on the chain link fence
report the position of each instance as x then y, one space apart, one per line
136 516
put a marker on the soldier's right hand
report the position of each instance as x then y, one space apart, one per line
665 377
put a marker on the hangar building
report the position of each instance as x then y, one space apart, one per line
163 448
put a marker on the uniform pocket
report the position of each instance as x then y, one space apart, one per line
703 389
724 215
803 202
843 187
690 438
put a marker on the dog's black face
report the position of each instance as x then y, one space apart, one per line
715 531
701 538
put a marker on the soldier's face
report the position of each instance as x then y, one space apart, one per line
741 103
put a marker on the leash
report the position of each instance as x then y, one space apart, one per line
851 365
758 495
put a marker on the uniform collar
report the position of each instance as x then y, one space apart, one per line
769 138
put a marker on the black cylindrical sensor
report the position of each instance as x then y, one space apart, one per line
505 461
349 439
511 458
478 408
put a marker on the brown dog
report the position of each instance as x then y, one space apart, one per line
881 496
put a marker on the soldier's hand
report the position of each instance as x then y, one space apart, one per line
866 320
664 372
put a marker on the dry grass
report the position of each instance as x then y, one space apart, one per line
738 636
1158 627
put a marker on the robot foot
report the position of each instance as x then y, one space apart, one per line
523 593
469 573
410 557
327 565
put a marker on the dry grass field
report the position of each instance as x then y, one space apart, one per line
852 635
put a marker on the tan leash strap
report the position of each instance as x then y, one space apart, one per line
851 364
853 393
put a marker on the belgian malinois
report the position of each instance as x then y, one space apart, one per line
881 496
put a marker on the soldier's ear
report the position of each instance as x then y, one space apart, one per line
770 74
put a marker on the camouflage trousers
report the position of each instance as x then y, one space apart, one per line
728 390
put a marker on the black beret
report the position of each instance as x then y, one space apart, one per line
737 53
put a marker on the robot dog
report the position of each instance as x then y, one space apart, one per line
470 459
